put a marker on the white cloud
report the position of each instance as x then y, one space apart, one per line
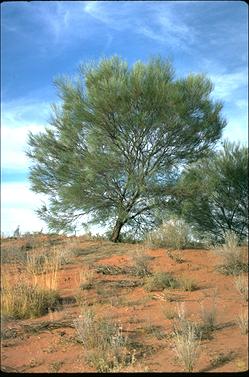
18 208
227 83
64 20
17 119
236 130
14 144
168 27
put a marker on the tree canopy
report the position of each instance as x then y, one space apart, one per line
116 140
213 193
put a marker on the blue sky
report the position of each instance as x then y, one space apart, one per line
41 40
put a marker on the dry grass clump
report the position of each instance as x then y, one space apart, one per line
159 281
43 268
13 253
176 256
169 313
104 342
187 284
209 317
86 278
141 263
23 300
241 284
187 344
172 235
242 321
233 255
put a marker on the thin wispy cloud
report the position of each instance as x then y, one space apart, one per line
227 84
155 22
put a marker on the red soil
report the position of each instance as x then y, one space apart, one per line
136 309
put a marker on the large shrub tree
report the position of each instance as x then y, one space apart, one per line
213 193
116 140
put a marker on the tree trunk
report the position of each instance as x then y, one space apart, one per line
116 231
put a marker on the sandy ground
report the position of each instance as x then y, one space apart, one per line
54 347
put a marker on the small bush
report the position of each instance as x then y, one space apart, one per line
233 255
187 344
26 301
242 321
187 284
169 313
86 279
159 281
104 342
141 263
43 268
173 235
241 284
222 359
13 254
176 256
208 317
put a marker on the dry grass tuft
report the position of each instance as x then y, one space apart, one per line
242 321
241 284
159 281
22 300
173 234
233 256
43 268
187 344
104 342
86 279
141 263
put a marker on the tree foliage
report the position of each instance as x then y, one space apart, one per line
116 140
213 193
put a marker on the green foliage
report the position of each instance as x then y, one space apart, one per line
212 194
116 141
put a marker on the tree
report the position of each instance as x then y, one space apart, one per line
213 193
117 139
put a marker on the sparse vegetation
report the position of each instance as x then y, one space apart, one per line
159 281
86 278
222 359
176 256
108 347
169 313
173 234
187 284
233 255
241 284
208 316
187 344
242 321
141 263
43 268
104 342
23 300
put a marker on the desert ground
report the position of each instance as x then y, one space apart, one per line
96 281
